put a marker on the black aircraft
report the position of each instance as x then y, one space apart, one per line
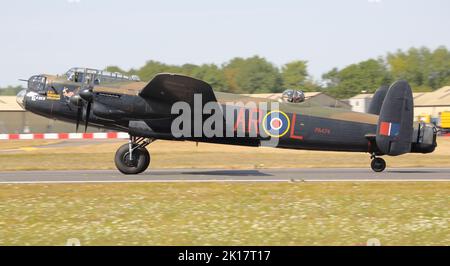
146 111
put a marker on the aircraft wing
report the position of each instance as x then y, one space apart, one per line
171 88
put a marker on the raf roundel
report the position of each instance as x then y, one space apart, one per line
276 124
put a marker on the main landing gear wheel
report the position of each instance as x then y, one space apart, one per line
378 164
133 158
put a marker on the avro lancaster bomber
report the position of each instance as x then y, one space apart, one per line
146 111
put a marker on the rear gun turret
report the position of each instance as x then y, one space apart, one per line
424 138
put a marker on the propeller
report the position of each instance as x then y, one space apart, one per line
77 101
79 115
84 96
88 111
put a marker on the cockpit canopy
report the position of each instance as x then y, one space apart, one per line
37 83
95 76
293 96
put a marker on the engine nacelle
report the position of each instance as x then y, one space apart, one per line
106 112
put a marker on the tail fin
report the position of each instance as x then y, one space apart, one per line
377 100
395 124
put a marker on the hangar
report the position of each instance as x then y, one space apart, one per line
361 102
15 120
428 106
433 103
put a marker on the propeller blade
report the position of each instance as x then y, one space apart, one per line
79 115
84 96
88 111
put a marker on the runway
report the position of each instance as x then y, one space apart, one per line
222 175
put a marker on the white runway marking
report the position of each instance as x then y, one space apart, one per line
217 181
228 176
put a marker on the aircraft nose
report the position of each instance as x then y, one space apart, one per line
20 98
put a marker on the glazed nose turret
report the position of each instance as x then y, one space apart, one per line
20 98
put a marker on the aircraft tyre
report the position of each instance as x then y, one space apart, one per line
138 164
378 165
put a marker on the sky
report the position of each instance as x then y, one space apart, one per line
50 36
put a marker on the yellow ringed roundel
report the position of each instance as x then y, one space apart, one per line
276 124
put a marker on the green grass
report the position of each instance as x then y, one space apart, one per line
226 214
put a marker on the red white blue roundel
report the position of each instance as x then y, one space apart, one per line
276 124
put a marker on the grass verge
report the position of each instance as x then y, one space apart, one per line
226 214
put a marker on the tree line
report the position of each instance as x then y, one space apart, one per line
239 75
10 90
424 69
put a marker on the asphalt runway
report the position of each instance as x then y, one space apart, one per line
221 175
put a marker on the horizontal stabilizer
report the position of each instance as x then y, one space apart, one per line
395 125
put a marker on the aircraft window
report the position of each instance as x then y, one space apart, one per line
96 76
92 71
70 75
37 83
79 77
89 77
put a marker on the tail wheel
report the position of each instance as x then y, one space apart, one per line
378 165
136 164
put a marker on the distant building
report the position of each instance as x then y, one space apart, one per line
428 106
13 120
361 102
